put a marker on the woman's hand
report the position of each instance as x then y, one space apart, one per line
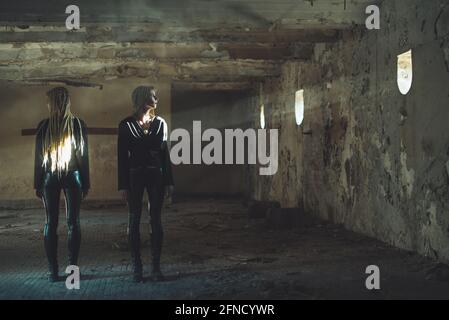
125 195
39 194
169 191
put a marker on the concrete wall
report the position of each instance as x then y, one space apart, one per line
215 109
376 161
24 106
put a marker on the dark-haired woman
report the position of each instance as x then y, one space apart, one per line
144 164
61 164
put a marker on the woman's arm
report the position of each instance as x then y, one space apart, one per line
39 158
167 166
122 158
167 172
84 159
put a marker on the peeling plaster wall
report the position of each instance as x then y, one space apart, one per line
371 159
219 110
24 106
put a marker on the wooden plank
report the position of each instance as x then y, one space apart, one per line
91 131
37 51
198 70
212 86
152 35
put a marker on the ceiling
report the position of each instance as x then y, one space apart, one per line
194 13
204 41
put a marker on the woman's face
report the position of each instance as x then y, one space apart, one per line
152 103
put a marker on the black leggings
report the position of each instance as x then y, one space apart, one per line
151 180
70 183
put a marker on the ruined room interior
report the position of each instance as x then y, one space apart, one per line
363 154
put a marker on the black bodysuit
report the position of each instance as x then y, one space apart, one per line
72 182
137 149
144 163
78 162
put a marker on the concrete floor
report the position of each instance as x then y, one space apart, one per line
213 251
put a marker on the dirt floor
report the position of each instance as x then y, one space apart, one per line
212 250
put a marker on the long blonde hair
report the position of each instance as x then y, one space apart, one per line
60 136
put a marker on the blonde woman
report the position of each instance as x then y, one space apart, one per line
61 164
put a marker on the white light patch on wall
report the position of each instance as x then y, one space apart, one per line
405 72
262 116
299 107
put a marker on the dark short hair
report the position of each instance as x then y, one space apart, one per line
141 96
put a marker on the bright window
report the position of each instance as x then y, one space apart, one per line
262 116
299 107
405 72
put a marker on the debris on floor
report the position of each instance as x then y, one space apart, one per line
221 255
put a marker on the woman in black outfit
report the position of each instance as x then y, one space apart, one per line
61 163
144 163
